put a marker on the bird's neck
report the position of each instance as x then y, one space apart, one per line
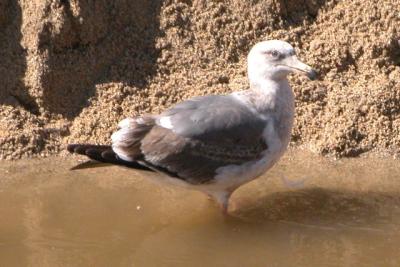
275 88
275 98
272 95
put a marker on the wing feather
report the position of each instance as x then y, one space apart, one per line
191 160
202 135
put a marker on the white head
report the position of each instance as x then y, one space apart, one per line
274 60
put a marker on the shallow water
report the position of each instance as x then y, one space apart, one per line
307 211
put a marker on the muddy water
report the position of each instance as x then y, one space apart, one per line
307 211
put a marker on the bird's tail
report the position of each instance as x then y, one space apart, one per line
101 155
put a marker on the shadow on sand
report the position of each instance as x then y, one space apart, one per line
106 42
13 59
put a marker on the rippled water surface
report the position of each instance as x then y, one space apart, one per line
307 211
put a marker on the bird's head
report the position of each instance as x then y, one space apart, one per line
274 60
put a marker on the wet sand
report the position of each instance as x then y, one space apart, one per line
307 211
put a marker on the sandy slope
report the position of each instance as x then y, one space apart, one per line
71 69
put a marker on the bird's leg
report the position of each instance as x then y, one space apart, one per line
222 199
224 206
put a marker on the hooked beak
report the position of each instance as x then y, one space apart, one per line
299 67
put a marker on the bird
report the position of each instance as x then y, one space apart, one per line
214 143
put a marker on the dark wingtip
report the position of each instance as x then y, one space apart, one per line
71 148
91 152
78 148
101 154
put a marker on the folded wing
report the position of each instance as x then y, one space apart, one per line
193 139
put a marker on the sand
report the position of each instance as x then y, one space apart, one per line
71 69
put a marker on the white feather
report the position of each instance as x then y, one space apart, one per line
120 139
121 154
166 122
118 136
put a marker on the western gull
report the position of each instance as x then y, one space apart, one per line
214 143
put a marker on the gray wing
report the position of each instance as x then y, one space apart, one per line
203 134
215 119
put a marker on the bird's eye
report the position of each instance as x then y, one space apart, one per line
275 53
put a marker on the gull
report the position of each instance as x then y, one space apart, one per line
214 143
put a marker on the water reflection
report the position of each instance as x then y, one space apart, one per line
346 213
